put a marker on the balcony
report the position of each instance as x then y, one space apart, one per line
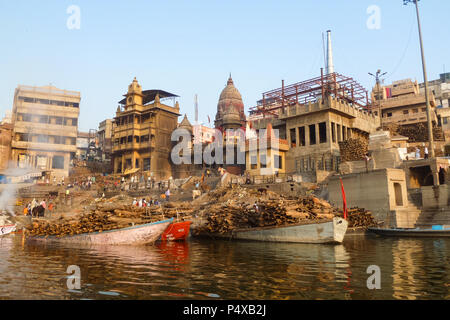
43 146
134 146
45 128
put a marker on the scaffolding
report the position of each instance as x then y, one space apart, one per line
333 85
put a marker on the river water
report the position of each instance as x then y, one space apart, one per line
207 269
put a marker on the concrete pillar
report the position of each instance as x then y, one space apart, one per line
316 128
307 135
297 137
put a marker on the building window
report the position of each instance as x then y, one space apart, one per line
339 133
146 164
58 162
136 163
278 162
130 139
389 114
253 162
263 161
322 132
406 111
312 134
293 138
415 110
127 163
301 131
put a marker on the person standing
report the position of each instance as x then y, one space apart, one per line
426 153
417 153
168 195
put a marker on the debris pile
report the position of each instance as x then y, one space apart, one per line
353 149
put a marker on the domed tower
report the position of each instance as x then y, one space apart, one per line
230 109
134 95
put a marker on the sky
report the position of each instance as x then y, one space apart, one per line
190 47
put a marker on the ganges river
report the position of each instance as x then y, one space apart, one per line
211 269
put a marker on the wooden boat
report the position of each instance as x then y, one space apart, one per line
442 231
330 231
177 231
7 229
136 235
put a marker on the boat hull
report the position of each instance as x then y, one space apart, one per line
177 231
322 232
7 229
137 235
428 233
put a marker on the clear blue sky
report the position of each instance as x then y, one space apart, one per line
190 46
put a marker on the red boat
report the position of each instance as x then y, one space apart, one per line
176 231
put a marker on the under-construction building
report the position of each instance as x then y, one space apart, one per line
314 116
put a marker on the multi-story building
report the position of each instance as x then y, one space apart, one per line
441 90
82 145
314 116
5 144
142 132
402 103
45 122
104 138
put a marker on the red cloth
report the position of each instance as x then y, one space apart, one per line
344 200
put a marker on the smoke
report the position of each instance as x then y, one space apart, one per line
9 190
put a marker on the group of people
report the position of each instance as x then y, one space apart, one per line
36 208
425 153
85 184
142 203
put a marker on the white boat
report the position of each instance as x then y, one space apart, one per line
330 231
6 226
136 235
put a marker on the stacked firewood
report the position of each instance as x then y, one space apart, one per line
93 222
274 212
416 132
353 149
358 217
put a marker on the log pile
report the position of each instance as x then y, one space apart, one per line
353 149
226 217
358 217
416 132
93 222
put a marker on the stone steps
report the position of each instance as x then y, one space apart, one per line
431 217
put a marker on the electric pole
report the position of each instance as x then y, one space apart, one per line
425 79
377 77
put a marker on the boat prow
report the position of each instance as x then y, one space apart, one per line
7 229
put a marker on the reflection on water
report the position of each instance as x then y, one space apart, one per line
410 269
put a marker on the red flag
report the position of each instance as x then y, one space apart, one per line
344 200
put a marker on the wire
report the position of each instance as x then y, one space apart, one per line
406 49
